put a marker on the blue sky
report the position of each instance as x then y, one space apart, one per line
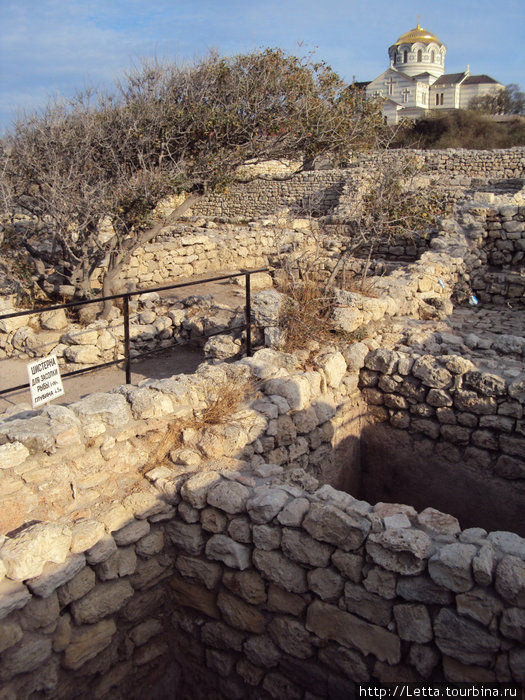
55 46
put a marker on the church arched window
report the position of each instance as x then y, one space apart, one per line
405 56
419 55
432 56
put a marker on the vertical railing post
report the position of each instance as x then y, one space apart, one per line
248 312
127 355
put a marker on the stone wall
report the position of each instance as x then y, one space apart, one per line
499 275
449 429
229 569
447 169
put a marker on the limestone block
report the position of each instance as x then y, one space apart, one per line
101 601
8 325
291 636
508 543
266 307
330 623
142 633
330 524
10 634
484 564
304 549
436 523
381 360
424 657
295 388
510 467
83 354
116 517
87 642
380 581
240 529
413 622
25 656
278 685
350 565
144 504
484 383
110 409
188 513
334 367
261 651
233 554
239 614
431 373
221 636
282 601
275 567
150 544
403 551
480 605
54 320
348 661
248 585
26 554
150 571
13 596
327 583
266 536
195 490
188 537
265 503
464 640
34 433
102 550
471 402
367 605
346 319
249 673
510 580
456 672
204 572
293 513
131 533
517 389
512 624
12 454
77 587
190 595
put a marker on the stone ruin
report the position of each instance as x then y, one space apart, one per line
356 518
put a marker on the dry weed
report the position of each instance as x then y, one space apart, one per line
306 315
227 397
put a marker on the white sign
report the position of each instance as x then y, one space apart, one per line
45 381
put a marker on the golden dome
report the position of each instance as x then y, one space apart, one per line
417 34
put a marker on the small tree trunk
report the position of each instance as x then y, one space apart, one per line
118 259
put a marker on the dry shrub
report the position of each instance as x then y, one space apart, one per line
229 394
227 397
306 315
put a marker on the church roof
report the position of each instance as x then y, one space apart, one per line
449 79
476 79
417 34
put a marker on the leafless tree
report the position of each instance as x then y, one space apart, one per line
166 129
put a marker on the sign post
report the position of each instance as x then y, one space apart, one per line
45 381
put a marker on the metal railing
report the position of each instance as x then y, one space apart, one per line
126 296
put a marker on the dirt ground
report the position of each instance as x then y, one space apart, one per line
179 360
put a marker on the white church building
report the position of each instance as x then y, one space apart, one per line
416 80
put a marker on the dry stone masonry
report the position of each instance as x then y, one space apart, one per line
358 518
235 570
